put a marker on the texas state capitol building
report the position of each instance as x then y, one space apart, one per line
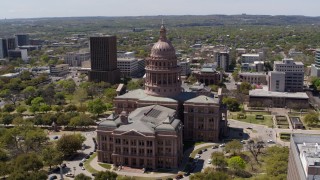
149 126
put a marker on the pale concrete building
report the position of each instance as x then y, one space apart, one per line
253 77
250 58
315 68
185 68
223 60
291 71
75 59
128 64
304 157
59 70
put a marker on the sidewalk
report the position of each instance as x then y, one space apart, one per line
95 165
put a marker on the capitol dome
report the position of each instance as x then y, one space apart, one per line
163 48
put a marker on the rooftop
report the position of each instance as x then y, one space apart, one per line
250 55
203 99
264 93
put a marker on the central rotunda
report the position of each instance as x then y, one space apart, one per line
162 71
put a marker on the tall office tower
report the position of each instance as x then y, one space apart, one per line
3 48
11 43
22 39
103 52
315 68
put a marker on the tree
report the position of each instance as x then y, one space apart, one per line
70 108
21 109
103 175
276 159
80 95
44 108
28 162
210 174
236 163
69 86
232 103
311 119
96 107
233 146
192 79
110 93
51 156
69 144
245 87
255 147
8 108
81 120
218 160
82 176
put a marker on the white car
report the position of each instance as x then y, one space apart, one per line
197 156
83 168
222 145
209 161
83 160
270 141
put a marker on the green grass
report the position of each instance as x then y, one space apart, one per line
258 113
87 164
251 118
106 166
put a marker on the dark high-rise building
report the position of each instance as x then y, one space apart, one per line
22 39
11 43
3 48
103 52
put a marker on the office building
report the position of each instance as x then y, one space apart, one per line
59 70
149 137
287 76
250 58
3 48
103 52
315 68
75 59
223 60
22 39
304 157
18 53
11 43
128 64
185 68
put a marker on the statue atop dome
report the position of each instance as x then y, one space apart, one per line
163 32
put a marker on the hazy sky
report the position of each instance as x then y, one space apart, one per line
66 8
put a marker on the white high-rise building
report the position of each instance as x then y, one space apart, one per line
128 64
315 68
76 58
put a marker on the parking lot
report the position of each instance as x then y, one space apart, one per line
72 166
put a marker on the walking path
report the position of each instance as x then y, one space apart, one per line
95 165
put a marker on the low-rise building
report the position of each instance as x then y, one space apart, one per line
18 53
253 77
149 137
264 98
304 157
250 58
59 70
208 75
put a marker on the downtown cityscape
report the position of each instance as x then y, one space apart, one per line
160 97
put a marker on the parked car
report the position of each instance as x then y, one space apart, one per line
53 177
83 168
186 173
56 137
197 156
80 164
63 165
91 153
179 176
270 141
69 175
215 147
200 152
204 150
87 156
222 145
209 161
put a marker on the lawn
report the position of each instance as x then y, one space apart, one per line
104 165
251 118
87 164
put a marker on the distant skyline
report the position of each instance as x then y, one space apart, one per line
74 8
